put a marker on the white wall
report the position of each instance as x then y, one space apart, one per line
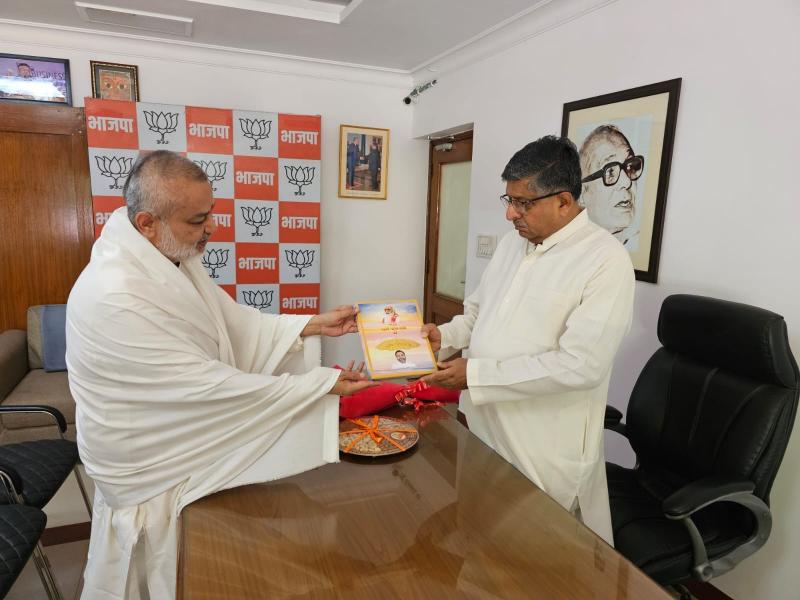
733 211
361 239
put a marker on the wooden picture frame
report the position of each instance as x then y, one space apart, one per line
113 81
35 79
363 162
625 141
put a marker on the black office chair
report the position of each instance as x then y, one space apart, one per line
42 465
20 530
32 472
709 419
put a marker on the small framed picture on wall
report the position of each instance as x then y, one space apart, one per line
112 81
35 79
363 162
625 144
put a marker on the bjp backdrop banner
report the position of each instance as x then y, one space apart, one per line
265 173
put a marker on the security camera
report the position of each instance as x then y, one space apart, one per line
414 95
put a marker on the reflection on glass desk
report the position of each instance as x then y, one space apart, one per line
449 519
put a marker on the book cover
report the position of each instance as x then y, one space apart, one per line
392 340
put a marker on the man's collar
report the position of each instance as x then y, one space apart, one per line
580 221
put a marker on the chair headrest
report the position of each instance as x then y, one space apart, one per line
739 338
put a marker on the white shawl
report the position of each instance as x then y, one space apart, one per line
180 392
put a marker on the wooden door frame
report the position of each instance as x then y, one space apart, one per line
432 233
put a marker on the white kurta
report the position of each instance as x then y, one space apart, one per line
542 330
179 392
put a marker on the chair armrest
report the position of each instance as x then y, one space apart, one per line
696 495
11 479
38 408
613 420
699 494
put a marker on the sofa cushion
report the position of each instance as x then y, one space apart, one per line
50 432
39 387
35 336
13 359
54 340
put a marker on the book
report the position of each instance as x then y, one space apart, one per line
391 338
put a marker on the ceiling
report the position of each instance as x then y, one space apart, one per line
402 35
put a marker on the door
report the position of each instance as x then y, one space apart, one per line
448 221
45 220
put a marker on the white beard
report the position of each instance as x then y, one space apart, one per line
174 250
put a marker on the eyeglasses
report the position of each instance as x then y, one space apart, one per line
521 205
610 173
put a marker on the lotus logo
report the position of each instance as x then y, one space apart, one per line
259 299
299 176
215 259
162 123
255 129
114 167
214 169
256 216
300 259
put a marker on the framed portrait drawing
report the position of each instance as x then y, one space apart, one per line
111 81
363 162
35 79
625 144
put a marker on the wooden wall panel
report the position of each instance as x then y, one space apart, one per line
46 216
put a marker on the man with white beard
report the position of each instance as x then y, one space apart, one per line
179 391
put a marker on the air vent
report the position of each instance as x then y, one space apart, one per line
135 19
327 11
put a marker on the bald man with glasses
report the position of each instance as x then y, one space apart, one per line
541 331
609 191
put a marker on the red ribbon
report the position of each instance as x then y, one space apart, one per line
405 396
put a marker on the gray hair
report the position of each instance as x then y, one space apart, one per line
552 164
598 134
144 189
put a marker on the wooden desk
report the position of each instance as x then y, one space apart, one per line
450 519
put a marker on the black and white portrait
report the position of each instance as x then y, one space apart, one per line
625 142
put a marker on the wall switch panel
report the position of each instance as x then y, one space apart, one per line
486 245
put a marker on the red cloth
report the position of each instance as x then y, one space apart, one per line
369 401
375 399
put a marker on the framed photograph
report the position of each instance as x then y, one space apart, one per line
363 162
35 79
111 81
625 144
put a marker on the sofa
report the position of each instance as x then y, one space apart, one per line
24 381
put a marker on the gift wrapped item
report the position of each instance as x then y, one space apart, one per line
375 399
434 393
369 401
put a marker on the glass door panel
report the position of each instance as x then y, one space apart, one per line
451 269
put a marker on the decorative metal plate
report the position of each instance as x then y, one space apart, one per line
374 435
